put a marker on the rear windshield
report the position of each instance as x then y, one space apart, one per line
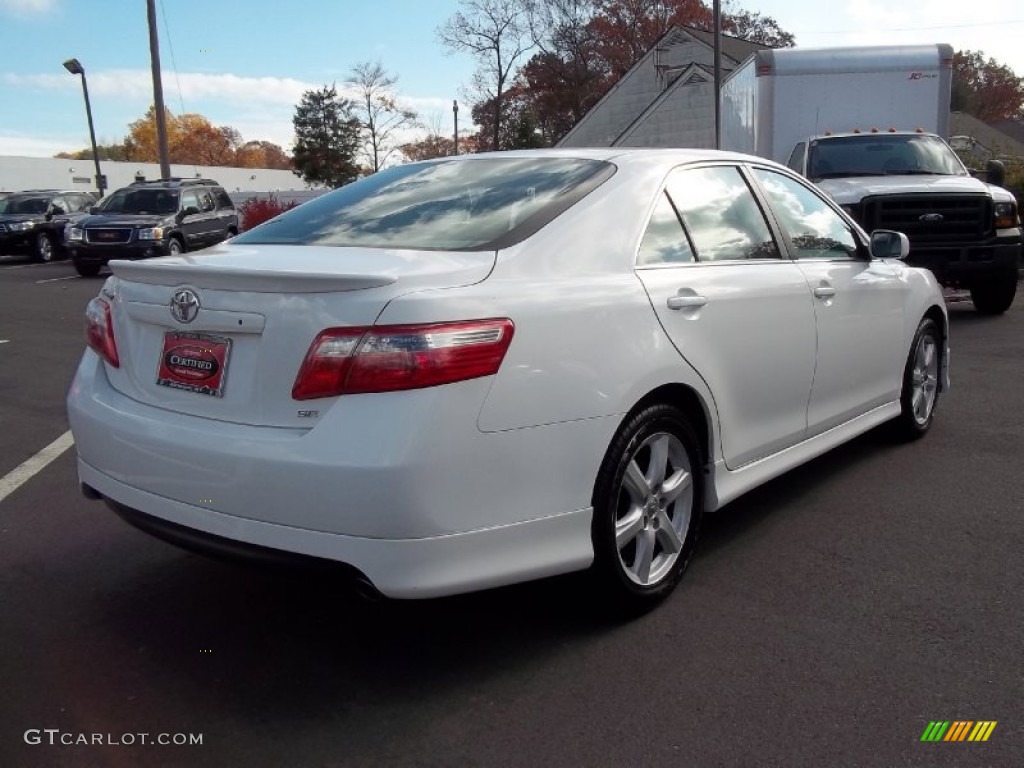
452 205
141 201
24 205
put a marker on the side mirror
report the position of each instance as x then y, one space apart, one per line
887 244
94 210
995 172
189 211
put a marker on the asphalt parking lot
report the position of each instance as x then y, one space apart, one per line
827 617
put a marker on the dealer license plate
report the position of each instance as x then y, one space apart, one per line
194 362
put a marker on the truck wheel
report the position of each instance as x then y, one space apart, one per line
174 247
994 295
647 507
87 268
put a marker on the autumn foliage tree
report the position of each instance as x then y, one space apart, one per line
984 88
191 140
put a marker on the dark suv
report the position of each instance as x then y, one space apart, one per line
33 221
152 218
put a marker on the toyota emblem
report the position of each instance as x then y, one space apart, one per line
184 306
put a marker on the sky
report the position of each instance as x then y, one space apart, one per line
246 63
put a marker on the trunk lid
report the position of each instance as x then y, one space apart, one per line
246 316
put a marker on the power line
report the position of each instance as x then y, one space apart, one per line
911 29
174 66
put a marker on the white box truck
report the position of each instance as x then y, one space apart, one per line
867 124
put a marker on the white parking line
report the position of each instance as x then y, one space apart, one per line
4 341
40 264
55 279
24 472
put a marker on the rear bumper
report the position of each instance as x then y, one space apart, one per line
402 486
399 568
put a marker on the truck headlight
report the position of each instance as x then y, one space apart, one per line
21 226
1006 215
153 233
73 234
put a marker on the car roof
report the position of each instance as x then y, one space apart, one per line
40 192
620 155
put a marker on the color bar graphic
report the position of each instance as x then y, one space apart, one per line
958 730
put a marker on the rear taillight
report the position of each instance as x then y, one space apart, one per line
347 361
99 331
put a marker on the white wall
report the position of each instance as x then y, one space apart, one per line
18 173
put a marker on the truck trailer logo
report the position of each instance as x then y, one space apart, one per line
922 76
958 730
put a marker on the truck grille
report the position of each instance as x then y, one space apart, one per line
106 235
931 218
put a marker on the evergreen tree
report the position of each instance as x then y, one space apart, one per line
327 138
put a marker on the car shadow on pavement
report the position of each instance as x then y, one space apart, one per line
305 643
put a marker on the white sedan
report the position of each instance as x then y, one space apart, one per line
475 371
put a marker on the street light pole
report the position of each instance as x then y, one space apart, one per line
74 66
455 136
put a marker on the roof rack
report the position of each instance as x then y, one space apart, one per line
177 181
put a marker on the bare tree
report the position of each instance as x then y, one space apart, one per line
380 115
497 34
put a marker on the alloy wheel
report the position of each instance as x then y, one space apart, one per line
654 509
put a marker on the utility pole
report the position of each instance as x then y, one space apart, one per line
718 73
158 91
455 137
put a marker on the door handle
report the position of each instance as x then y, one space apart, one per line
686 302
824 292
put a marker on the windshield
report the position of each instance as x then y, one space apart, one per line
141 201
15 204
882 155
457 204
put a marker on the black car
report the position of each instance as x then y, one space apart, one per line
152 218
33 221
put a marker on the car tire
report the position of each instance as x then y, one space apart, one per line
920 393
43 248
174 247
994 295
647 503
87 268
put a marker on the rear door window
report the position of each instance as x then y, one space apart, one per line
721 215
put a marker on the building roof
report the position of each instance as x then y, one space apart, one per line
734 51
736 48
991 139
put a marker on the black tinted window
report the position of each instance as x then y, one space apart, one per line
466 204
15 204
880 155
223 201
142 201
